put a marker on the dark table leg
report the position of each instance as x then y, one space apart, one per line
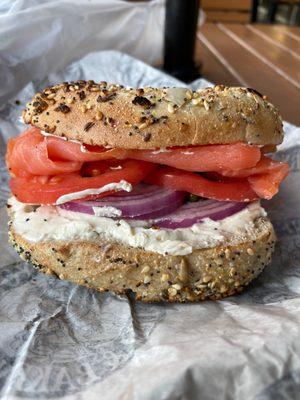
180 36
272 11
254 10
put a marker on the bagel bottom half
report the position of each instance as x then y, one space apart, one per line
210 273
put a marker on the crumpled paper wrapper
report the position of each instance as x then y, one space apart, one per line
61 340
40 37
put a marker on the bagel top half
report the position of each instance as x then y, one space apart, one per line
113 116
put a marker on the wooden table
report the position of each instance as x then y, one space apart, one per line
264 57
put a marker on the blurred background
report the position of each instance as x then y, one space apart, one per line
255 44
252 43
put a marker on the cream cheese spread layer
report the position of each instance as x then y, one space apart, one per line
51 223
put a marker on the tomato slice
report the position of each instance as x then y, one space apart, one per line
95 168
48 190
204 158
172 178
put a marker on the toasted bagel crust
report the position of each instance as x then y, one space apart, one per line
211 273
112 116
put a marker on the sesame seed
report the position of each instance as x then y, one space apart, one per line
165 277
177 286
250 251
223 289
147 279
202 286
188 94
145 269
195 102
227 253
94 89
99 116
143 126
172 291
170 108
206 278
206 105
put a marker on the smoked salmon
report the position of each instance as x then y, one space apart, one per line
46 167
68 150
28 155
203 158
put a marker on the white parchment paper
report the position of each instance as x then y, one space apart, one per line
60 340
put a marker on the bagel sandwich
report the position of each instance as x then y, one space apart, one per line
150 191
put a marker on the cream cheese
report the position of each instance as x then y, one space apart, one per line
47 223
83 149
160 150
110 212
59 137
187 153
116 186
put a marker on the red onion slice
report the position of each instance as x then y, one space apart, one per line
192 213
144 202
164 206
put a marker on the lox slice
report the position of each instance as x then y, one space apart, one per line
203 158
67 150
266 185
27 155
265 166
47 190
48 153
264 178
31 153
